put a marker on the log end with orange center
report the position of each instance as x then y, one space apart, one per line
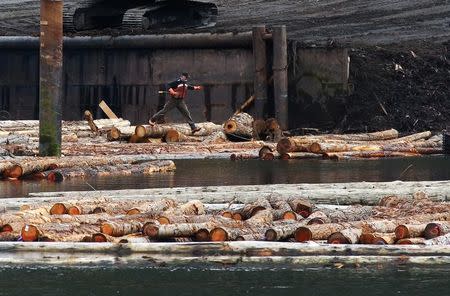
55 177
230 126
237 217
315 147
289 215
74 211
163 220
29 233
172 136
14 172
58 209
133 211
401 232
202 235
227 214
99 238
107 228
302 234
337 238
139 132
218 235
432 230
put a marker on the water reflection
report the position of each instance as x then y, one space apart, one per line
225 172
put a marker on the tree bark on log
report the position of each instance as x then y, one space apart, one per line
443 240
174 230
411 241
252 209
384 239
368 154
239 126
120 229
174 136
193 207
160 130
120 133
352 213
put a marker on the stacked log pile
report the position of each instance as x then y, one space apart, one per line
366 145
395 220
58 169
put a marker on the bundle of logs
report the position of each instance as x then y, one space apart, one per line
58 169
395 220
349 146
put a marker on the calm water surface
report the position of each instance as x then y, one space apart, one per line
226 172
225 281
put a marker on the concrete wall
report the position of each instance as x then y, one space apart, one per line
318 82
128 80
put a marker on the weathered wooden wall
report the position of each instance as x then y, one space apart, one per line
129 80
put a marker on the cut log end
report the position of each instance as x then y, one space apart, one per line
150 229
29 233
285 156
432 230
14 172
284 146
218 235
264 150
337 238
366 239
99 238
172 136
268 156
315 221
237 217
58 209
140 131
227 214
230 126
271 235
6 228
289 215
315 148
202 235
74 210
107 229
113 134
98 210
133 211
302 234
55 177
163 220
401 232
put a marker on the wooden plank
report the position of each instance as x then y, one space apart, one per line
107 110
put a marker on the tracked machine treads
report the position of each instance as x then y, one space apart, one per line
138 15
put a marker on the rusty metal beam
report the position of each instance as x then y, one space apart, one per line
50 80
280 77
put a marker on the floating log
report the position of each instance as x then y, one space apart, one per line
351 213
193 207
409 231
242 156
346 236
239 126
250 210
120 229
368 154
29 233
174 136
299 155
8 237
58 209
384 238
301 206
443 240
160 130
411 241
174 230
120 133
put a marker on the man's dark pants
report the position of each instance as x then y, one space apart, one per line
180 105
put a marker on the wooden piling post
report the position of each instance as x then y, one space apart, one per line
280 79
50 92
260 80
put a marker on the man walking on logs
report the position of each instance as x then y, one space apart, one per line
177 91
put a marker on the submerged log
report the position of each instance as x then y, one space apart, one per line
240 126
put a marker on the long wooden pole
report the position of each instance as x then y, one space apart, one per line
280 79
260 58
50 91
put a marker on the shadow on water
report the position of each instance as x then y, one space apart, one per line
224 281
225 172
